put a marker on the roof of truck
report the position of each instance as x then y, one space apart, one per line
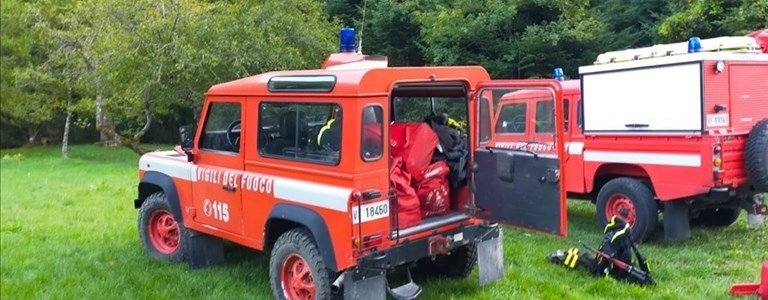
353 82
675 59
568 86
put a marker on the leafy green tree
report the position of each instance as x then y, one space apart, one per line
512 38
712 18
392 29
632 25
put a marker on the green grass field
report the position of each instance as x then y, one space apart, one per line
68 231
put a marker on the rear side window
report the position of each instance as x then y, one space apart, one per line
221 131
512 118
484 130
545 116
372 133
300 131
566 114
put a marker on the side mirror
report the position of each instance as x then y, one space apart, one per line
187 135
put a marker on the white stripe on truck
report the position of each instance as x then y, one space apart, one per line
683 160
325 196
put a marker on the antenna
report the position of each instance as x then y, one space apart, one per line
362 27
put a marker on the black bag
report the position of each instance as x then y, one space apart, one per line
452 148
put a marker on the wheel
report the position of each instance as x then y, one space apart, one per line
756 155
296 269
163 238
459 263
717 217
630 200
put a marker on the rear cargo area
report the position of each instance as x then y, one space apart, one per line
429 152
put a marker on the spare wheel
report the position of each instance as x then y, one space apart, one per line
756 156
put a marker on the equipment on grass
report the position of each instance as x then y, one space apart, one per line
613 257
761 289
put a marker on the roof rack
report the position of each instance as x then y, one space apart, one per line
725 43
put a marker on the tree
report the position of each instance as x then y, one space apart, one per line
632 25
512 38
712 18
392 29
26 88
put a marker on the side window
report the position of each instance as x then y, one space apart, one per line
372 131
566 114
580 114
300 131
512 118
221 131
545 116
484 128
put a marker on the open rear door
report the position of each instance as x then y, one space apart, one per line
520 183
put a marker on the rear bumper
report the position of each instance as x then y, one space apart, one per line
411 251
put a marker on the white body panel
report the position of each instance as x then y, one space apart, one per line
663 98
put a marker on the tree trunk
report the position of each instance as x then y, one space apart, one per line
67 122
101 118
32 135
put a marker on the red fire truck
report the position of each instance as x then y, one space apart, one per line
311 166
662 129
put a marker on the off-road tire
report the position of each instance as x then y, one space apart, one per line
756 156
645 207
717 217
459 263
158 202
299 242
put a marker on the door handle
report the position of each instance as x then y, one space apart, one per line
229 188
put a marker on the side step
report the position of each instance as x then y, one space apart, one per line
407 291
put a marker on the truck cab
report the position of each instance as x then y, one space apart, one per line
320 168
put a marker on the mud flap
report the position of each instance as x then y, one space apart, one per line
363 283
676 222
203 250
490 259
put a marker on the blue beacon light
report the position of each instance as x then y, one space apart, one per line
347 40
694 44
558 74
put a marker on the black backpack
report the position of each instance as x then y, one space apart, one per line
452 148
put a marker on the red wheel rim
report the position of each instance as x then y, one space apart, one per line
621 206
163 231
296 278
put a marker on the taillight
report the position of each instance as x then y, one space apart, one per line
355 197
717 162
717 159
372 240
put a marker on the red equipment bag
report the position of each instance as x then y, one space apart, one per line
433 190
414 143
408 210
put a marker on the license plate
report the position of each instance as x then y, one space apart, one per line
370 212
717 120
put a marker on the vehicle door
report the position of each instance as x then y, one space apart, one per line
523 185
219 165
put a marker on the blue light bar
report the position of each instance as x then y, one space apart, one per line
347 40
694 44
558 74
